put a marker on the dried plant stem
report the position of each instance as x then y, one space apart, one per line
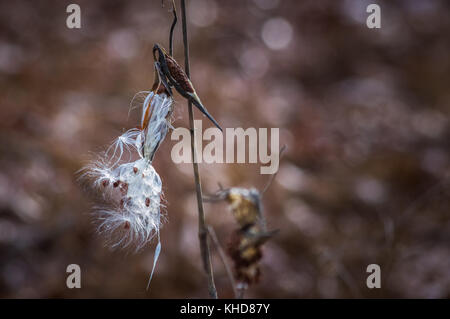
272 177
241 292
172 27
202 230
223 257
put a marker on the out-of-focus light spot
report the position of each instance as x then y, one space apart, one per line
429 123
66 124
27 206
202 13
71 117
233 86
355 10
278 106
254 62
370 190
275 109
266 4
292 178
300 215
122 44
277 33
11 58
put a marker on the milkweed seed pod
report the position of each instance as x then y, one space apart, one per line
245 205
245 255
155 121
245 245
170 74
132 190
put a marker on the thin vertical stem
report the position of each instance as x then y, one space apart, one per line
172 27
223 257
202 230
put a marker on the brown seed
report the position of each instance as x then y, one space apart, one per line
127 225
135 170
105 183
178 74
116 183
147 202
123 188
161 90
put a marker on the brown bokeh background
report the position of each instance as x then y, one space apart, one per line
364 113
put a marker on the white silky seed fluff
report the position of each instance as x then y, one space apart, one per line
135 218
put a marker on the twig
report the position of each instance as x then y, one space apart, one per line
272 177
202 230
223 257
172 27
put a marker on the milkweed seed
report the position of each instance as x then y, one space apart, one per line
124 188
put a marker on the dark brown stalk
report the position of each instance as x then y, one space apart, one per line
202 229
